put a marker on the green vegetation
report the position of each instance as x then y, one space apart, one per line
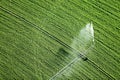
36 35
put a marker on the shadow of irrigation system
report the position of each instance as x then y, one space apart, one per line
83 57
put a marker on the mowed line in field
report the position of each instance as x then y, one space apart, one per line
81 14
59 21
105 11
109 7
116 3
5 19
37 55
108 60
40 29
80 68
111 38
107 23
92 15
22 68
37 61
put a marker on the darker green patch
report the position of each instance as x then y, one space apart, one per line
84 58
63 52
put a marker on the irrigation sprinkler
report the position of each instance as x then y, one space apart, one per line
83 57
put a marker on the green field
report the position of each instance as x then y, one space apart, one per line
36 38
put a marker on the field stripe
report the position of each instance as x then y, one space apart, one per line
113 3
54 19
105 11
93 16
40 29
18 59
12 14
110 6
27 55
98 41
69 64
64 68
111 51
111 35
93 21
96 22
100 69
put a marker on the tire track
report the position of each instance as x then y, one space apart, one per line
46 33
111 38
101 43
87 69
93 16
17 58
13 57
111 32
100 69
56 15
114 3
37 27
103 10
32 15
115 58
89 62
43 31
29 56
110 47
22 62
22 34
108 5
88 18
77 19
110 67
69 64
46 68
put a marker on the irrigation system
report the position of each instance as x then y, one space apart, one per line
83 57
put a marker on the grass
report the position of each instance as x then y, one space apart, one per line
35 37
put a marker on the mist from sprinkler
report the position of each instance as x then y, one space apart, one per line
82 43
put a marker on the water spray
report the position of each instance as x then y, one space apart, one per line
56 39
81 45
